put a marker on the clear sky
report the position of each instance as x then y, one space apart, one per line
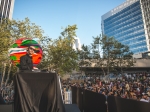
52 15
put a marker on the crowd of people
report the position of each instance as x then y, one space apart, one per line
7 92
130 85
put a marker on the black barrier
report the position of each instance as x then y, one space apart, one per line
88 101
74 94
128 105
116 104
112 106
80 98
94 102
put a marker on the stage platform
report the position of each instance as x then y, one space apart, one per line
37 92
6 108
68 108
71 108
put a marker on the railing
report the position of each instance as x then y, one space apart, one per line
68 97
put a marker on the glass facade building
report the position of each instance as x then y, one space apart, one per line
6 8
126 24
145 6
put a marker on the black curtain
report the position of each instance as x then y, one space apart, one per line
37 92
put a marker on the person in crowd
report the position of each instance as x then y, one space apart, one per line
144 98
137 88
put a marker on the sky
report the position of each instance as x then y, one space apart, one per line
53 15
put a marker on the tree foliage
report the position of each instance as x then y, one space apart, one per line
10 31
123 56
84 56
110 54
60 55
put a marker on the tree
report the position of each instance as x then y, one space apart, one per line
12 30
123 55
114 54
107 47
60 53
84 56
97 53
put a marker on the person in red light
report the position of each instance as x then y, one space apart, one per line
26 62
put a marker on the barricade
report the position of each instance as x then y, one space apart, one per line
80 95
116 104
94 102
129 105
112 106
88 101
74 94
68 97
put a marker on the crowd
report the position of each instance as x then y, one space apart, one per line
130 86
7 92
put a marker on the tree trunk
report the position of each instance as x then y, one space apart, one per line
108 61
103 71
4 70
1 72
8 76
121 66
108 65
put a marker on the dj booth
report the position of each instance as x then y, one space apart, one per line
37 92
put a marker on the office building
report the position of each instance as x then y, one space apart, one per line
77 44
145 6
129 23
6 8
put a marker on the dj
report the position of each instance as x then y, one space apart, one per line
26 60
